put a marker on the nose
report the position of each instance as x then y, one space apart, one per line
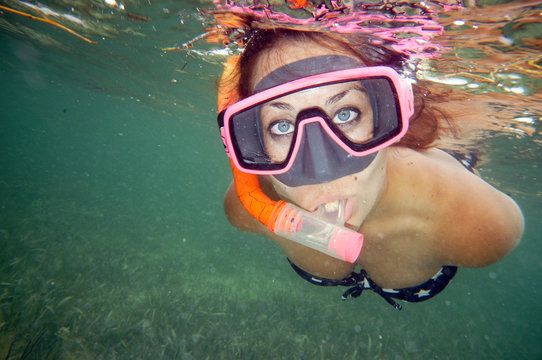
319 153
319 158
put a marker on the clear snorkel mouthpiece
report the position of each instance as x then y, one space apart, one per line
322 230
332 212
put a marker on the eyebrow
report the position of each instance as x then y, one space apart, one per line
281 105
337 97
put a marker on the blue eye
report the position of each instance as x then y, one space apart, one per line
345 115
281 127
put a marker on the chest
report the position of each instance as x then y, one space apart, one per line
399 252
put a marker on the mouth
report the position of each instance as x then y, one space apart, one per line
337 211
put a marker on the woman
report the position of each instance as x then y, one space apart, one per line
341 148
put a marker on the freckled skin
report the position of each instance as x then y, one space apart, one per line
417 210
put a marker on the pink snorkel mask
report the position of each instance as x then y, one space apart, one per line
317 119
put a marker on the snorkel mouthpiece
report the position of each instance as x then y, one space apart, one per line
310 230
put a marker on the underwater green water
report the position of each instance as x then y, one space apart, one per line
113 242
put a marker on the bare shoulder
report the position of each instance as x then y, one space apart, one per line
237 215
474 224
429 159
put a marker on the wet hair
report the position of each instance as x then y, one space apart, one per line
427 122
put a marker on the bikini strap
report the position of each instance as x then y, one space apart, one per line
469 160
356 281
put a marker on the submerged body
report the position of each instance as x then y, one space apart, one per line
423 210
418 210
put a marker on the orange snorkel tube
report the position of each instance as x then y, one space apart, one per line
280 217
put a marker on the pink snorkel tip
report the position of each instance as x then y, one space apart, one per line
347 245
306 228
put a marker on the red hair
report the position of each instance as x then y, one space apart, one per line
426 125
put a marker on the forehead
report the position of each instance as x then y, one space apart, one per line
321 95
287 52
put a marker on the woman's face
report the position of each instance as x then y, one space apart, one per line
348 106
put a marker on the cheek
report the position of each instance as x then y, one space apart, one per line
368 125
277 150
302 196
365 131
305 196
285 192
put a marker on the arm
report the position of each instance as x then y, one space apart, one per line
308 259
480 224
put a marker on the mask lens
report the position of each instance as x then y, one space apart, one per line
359 114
